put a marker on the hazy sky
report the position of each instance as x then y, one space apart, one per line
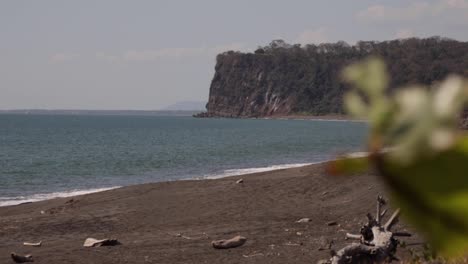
139 54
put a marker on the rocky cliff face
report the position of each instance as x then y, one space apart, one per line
246 85
282 79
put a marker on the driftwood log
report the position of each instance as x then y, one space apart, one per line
377 243
33 244
236 241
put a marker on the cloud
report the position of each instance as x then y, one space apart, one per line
62 57
456 3
169 53
312 36
107 57
150 55
404 33
413 11
384 13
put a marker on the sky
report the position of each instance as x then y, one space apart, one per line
145 55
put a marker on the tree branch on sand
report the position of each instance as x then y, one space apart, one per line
377 243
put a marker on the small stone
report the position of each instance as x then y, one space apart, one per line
304 220
332 223
299 233
21 259
236 241
240 181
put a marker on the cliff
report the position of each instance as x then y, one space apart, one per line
283 79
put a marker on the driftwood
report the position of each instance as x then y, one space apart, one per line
92 242
21 259
236 241
377 243
32 244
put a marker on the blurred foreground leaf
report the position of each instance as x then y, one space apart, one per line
417 149
349 164
433 194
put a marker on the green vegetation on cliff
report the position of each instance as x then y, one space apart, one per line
284 79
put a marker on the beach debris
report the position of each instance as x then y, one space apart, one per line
299 233
92 242
304 220
377 243
21 259
202 236
42 212
32 244
236 241
253 255
240 181
289 243
332 223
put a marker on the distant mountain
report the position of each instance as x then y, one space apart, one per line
100 112
186 106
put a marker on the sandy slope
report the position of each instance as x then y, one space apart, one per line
147 218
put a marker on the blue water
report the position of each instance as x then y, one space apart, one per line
42 156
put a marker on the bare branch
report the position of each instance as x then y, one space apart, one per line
383 213
353 236
401 234
370 219
393 220
377 244
380 202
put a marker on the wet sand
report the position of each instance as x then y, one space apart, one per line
175 222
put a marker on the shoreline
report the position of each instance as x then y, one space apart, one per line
346 118
314 117
225 174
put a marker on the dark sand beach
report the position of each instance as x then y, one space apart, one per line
175 222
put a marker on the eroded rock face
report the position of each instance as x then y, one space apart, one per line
286 80
244 86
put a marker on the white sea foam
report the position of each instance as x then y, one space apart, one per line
6 201
236 172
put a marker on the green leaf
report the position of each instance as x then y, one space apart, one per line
433 194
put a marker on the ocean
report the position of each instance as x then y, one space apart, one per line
47 156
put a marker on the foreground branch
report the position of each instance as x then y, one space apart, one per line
377 243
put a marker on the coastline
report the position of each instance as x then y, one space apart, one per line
76 192
285 117
313 117
174 222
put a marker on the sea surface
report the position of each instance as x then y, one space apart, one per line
46 156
